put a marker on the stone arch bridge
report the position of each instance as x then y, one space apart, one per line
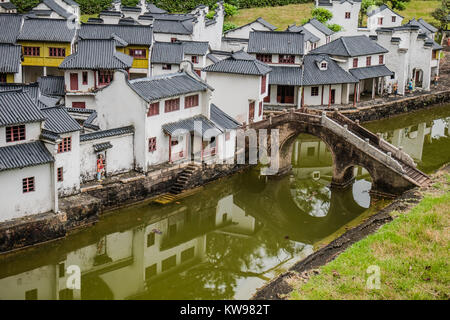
392 170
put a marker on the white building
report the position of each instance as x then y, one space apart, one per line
56 9
345 13
383 17
320 30
170 114
230 76
412 55
364 59
132 40
91 67
166 57
27 169
7 7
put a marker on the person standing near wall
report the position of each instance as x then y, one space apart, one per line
100 167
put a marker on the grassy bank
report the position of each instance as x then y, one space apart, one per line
282 17
412 253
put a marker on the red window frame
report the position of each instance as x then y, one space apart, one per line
380 21
263 84
79 104
28 185
15 133
287 59
381 59
355 62
153 109
314 91
65 145
138 53
194 59
191 101
434 55
74 81
167 67
260 109
84 77
172 105
105 77
60 174
152 144
3 77
264 57
347 15
394 18
368 61
32 51
56 52
251 111
198 72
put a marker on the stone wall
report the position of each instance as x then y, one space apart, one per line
85 208
405 105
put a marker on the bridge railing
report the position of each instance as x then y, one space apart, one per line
361 144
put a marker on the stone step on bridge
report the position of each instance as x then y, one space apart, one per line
391 169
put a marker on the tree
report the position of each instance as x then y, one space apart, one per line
441 14
25 5
365 5
321 14
395 4
228 26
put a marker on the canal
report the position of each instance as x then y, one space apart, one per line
228 239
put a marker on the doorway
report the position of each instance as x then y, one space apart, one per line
285 94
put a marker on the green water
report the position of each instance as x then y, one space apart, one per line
224 241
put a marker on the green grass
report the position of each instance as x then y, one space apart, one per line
412 253
84 17
284 16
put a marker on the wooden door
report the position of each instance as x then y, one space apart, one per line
74 81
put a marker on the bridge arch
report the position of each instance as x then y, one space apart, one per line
347 147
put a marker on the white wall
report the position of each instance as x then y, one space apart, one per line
386 14
338 10
230 96
15 203
157 69
32 133
244 32
119 158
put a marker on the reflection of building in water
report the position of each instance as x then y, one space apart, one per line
124 264
413 138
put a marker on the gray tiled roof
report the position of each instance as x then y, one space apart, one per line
54 30
167 52
10 58
102 146
198 48
106 133
17 107
320 26
47 102
10 27
165 86
24 155
371 72
289 76
32 89
259 20
52 85
334 74
276 42
110 13
223 120
422 24
190 125
151 8
425 24
308 36
97 54
128 21
381 8
132 34
8 5
240 63
130 9
351 46
173 26
59 121
57 8
50 136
